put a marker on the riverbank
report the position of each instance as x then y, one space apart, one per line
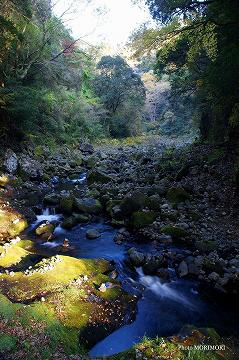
168 210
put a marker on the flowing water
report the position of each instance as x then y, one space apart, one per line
163 308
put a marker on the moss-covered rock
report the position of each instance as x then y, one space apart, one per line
97 176
12 253
45 230
179 347
4 180
177 195
143 218
64 299
11 223
66 203
175 231
88 205
133 202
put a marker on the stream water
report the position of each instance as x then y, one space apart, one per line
163 308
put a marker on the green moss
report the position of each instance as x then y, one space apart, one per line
12 255
4 180
206 245
177 195
11 223
143 218
175 231
22 287
8 342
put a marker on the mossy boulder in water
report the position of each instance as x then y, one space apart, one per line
45 230
143 218
177 195
88 205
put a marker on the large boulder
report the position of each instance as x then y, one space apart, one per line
66 203
88 205
153 263
136 257
10 161
97 176
30 168
74 220
183 269
133 202
92 234
45 230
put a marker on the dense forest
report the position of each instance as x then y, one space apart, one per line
119 180
54 83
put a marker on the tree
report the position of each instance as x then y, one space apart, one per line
197 47
120 90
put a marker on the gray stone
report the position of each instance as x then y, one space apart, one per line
11 161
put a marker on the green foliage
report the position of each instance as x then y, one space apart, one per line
46 93
123 94
197 46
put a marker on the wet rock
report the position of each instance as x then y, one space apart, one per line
183 269
51 199
92 234
88 205
137 258
10 162
69 223
165 239
45 230
153 263
163 274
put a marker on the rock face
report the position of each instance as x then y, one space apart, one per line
10 162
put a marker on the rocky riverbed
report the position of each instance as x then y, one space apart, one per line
152 214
